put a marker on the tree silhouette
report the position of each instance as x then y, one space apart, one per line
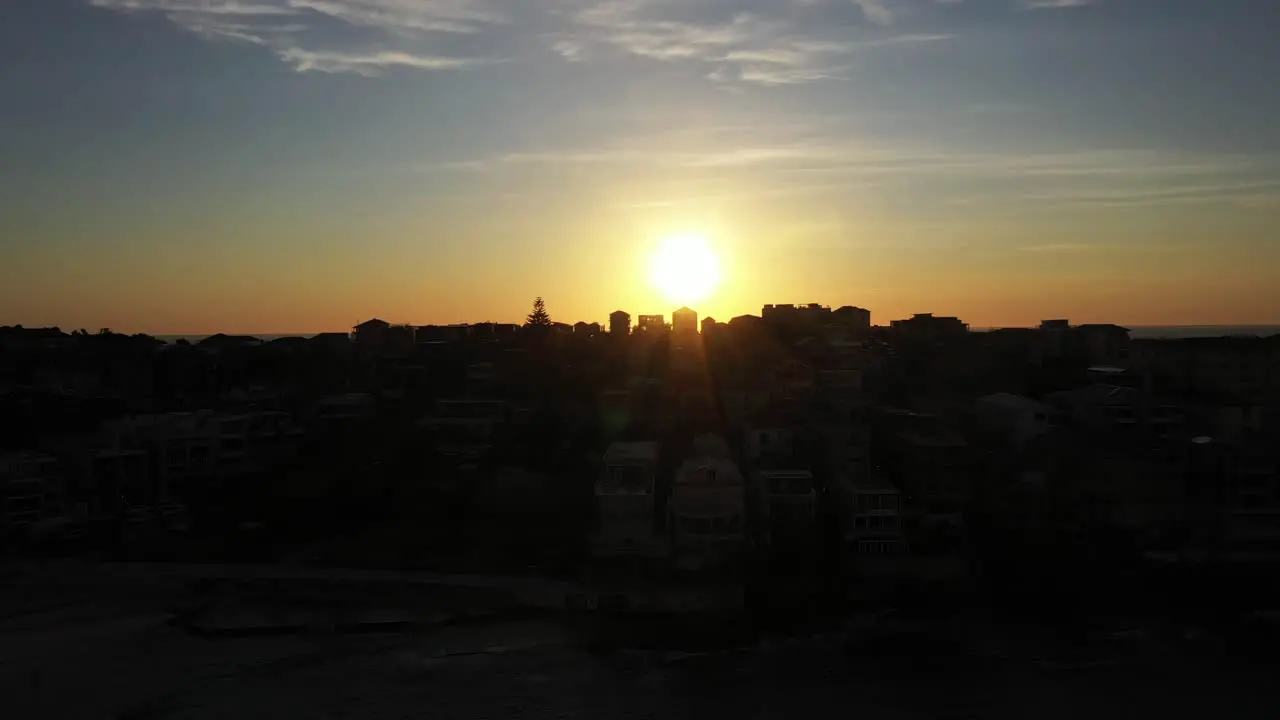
539 316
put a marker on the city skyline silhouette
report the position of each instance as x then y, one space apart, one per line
287 165
494 359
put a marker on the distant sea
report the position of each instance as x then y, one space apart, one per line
1137 331
1177 332
193 339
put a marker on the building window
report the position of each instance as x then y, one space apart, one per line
877 547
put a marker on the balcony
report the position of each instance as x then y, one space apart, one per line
629 479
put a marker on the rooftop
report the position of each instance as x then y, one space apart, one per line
353 398
1015 402
786 472
936 440
1107 370
870 483
630 452
1102 326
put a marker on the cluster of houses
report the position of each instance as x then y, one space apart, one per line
700 448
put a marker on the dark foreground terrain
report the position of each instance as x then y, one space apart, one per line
70 648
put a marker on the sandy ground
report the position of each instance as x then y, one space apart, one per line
121 665
120 658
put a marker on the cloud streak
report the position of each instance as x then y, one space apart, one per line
372 63
333 35
875 11
836 155
825 160
451 16
1054 4
734 42
737 42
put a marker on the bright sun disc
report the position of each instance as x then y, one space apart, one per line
685 269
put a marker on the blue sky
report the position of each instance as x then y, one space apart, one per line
292 165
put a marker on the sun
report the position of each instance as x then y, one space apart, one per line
685 269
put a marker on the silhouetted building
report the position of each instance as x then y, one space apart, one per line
442 333
482 373
1104 344
871 514
1054 338
855 318
370 332
1012 419
684 321
619 323
586 329
1252 501
707 507
652 323
32 490
925 326
331 340
338 412
708 325
398 339
1244 367
931 465
783 476
465 427
222 341
786 314
625 521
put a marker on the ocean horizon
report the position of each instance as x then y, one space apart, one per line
1141 332
1182 332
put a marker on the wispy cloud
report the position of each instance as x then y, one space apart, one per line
820 154
1054 4
1238 192
738 42
201 7
307 33
875 11
824 159
742 42
455 16
372 63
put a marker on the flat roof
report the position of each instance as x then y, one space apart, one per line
870 483
1010 400
622 452
941 439
788 472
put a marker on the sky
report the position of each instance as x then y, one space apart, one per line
273 166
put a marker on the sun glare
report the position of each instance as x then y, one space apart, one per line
685 269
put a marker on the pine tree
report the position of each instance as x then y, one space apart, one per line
539 315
